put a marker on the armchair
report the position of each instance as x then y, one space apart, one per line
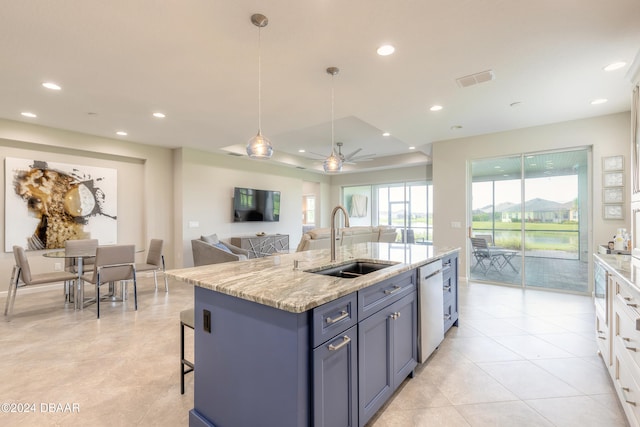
210 250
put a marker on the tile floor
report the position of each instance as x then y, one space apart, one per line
519 358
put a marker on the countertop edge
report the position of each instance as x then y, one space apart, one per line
271 282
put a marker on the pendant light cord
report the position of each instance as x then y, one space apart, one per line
332 115
259 83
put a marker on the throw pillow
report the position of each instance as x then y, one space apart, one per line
220 245
211 239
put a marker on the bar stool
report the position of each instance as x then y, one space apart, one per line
186 319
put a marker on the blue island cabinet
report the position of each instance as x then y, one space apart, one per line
261 366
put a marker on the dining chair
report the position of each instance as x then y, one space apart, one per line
113 263
77 248
187 318
22 272
155 262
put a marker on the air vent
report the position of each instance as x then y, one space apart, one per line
474 79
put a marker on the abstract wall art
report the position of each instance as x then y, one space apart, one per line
47 203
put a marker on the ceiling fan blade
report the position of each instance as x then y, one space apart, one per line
363 158
350 156
318 154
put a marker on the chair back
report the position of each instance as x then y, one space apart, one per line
79 247
113 263
23 264
479 243
154 257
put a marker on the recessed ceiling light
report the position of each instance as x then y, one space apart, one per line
412 148
28 114
615 66
302 150
159 115
122 133
51 85
598 101
436 108
386 134
385 50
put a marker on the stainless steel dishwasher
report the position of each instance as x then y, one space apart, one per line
430 309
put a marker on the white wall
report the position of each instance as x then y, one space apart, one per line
145 195
207 191
607 135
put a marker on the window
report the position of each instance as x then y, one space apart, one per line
309 210
407 206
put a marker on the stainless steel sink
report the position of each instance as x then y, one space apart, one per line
352 270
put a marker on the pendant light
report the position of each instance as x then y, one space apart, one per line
333 163
259 147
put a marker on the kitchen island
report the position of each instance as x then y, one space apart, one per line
278 345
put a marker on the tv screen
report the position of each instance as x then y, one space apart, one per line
250 204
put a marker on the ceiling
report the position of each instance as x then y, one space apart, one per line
197 62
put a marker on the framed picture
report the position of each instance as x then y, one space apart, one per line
613 179
613 163
613 212
613 195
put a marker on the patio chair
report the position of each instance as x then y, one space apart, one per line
484 254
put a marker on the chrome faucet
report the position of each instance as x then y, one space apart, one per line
333 228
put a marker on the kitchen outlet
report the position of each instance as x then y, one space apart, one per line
194 224
206 320
57 266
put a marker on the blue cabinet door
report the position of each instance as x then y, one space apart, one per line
374 362
335 381
405 336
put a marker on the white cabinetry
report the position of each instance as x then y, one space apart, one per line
618 333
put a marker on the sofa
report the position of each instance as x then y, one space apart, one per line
319 238
211 250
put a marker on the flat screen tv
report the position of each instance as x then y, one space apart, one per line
250 204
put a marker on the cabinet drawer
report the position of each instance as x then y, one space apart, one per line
450 314
626 337
448 287
627 388
377 296
603 339
334 318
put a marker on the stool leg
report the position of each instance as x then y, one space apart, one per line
181 358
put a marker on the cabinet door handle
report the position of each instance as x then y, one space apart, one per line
345 340
628 348
624 391
343 314
396 288
446 288
447 317
632 305
395 315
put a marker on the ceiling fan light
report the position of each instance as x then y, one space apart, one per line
332 164
259 147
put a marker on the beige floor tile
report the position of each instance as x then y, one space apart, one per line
123 369
575 343
528 381
578 411
531 347
431 417
502 414
585 376
483 349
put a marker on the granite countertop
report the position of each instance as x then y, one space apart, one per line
625 266
272 280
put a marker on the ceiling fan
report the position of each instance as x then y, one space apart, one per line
351 158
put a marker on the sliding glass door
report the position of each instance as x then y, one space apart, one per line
533 210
